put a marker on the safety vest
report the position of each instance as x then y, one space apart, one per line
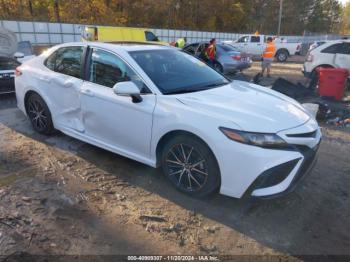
181 43
211 52
270 50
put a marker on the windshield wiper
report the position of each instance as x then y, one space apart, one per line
191 90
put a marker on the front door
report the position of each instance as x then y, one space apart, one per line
115 120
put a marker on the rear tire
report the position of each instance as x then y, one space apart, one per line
39 114
190 166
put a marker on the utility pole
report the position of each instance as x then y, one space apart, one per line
280 18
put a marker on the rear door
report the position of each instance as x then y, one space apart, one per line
328 55
62 82
115 121
342 58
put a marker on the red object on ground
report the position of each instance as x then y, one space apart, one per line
332 81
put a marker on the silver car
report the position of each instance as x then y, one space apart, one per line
229 60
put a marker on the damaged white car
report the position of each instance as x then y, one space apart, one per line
165 108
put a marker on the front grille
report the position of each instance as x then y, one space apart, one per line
310 134
7 85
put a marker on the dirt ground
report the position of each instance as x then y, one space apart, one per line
60 196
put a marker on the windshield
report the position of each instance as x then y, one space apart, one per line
8 63
228 48
173 71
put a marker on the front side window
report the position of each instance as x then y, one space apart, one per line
243 39
151 37
173 71
107 69
333 49
66 60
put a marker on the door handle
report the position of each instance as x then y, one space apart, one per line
87 92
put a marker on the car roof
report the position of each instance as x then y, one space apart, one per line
127 46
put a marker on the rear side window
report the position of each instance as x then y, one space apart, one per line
67 60
345 49
255 39
8 63
151 37
333 49
191 48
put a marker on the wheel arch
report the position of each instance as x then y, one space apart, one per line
169 135
282 50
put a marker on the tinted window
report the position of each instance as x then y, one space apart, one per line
174 71
107 69
255 39
345 49
191 48
66 60
151 37
8 63
333 49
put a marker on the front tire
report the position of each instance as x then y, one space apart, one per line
190 166
39 114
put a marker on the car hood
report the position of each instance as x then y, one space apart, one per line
251 107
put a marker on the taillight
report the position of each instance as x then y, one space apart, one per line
310 58
18 72
236 57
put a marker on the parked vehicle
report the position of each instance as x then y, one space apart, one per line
255 45
118 34
7 74
228 58
332 54
163 107
316 44
10 59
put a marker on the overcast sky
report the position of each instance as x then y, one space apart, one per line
343 1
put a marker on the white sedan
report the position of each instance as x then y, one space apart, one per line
164 108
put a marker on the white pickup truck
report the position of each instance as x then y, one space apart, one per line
255 45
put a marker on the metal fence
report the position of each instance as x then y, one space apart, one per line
43 33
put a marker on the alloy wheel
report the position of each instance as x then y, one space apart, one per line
37 114
187 169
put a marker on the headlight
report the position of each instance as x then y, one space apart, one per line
255 139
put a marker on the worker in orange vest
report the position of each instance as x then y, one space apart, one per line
268 56
210 52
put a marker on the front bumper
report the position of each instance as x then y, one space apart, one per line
282 180
242 166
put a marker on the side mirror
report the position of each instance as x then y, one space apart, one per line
18 55
128 88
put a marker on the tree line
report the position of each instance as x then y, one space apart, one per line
299 16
